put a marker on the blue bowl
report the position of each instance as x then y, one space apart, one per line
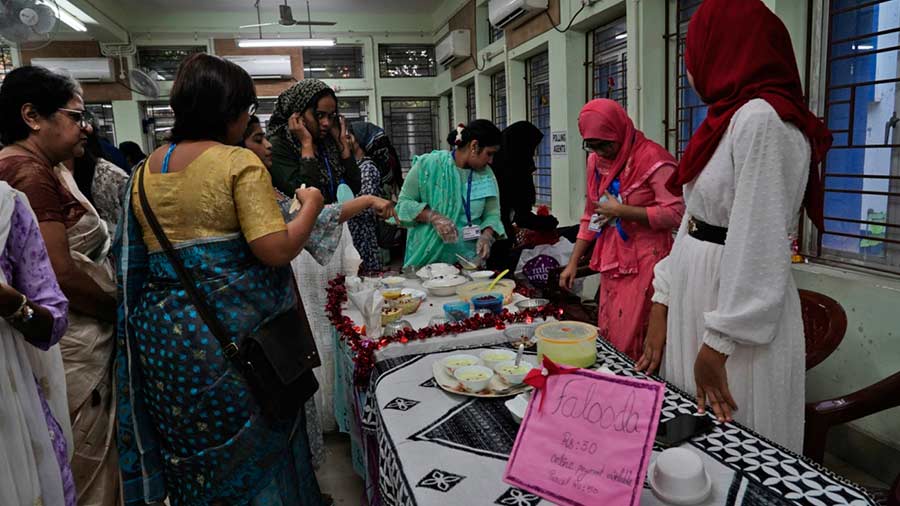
457 311
493 302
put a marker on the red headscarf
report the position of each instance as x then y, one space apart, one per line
606 120
738 50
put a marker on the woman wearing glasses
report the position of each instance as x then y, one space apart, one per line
630 214
42 122
312 146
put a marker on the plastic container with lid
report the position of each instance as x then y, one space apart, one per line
567 342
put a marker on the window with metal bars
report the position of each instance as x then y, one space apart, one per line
450 111
412 126
470 103
157 120
690 111
494 33
498 99
339 62
609 44
353 108
406 60
537 72
165 59
6 63
102 116
862 170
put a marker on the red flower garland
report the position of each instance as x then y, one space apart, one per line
364 349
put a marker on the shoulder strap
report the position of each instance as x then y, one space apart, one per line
229 348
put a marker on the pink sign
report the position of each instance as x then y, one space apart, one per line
589 441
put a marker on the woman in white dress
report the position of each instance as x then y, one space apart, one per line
726 322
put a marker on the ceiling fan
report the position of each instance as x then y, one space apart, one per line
286 18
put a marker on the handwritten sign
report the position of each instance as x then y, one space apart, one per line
558 144
590 440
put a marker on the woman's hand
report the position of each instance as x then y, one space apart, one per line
444 227
341 136
485 241
310 197
567 277
384 208
358 152
10 300
655 342
711 379
298 129
609 208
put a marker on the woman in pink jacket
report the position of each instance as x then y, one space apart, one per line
630 214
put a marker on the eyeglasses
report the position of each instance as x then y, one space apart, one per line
596 146
81 117
253 108
320 115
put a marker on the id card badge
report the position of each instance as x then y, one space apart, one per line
471 233
596 223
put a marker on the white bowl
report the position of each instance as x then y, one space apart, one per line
518 405
414 293
444 286
435 270
393 281
454 362
511 374
480 275
474 378
678 477
490 358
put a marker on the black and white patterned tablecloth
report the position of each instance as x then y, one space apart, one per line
437 448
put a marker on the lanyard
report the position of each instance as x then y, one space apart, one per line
165 165
467 202
331 185
614 188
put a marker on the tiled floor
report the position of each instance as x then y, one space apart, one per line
337 477
853 474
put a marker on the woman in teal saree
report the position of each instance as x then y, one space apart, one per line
188 428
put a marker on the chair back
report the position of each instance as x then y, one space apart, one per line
824 326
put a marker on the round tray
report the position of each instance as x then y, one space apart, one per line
452 385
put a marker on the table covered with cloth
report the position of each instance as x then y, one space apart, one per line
436 448
349 401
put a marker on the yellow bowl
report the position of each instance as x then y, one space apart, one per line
390 315
407 304
504 286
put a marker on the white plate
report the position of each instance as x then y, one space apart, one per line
450 384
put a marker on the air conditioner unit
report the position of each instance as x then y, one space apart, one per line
81 69
512 13
454 48
264 66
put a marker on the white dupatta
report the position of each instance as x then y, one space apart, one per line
29 470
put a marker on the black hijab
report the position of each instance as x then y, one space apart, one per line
514 168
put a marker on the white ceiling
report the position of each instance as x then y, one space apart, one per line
270 7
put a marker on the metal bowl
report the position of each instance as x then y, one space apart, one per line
531 303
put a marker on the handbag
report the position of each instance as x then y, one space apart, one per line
277 360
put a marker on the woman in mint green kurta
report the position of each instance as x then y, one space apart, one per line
450 199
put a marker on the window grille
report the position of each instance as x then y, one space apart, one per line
339 62
498 99
102 114
538 87
406 60
690 111
412 126
609 44
165 59
470 103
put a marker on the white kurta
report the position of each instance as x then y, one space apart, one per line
740 298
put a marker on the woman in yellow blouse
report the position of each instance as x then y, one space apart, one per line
202 439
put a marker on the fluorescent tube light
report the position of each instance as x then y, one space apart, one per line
71 16
865 47
79 14
285 42
621 35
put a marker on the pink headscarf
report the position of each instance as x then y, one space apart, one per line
605 119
